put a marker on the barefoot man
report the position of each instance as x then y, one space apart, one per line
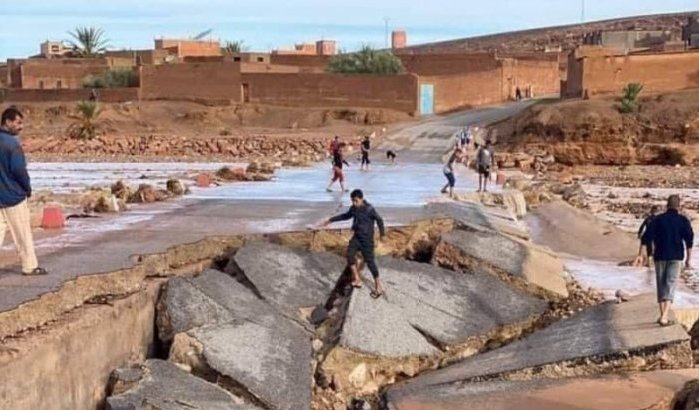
337 173
363 239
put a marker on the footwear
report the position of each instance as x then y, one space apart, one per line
36 272
666 324
374 294
357 285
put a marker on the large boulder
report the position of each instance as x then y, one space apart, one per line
147 194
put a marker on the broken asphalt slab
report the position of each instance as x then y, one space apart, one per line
600 331
476 215
425 303
240 336
470 248
161 385
289 278
632 391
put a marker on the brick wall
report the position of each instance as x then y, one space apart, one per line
448 64
573 84
657 72
68 95
465 90
50 76
398 92
208 82
300 60
4 75
542 77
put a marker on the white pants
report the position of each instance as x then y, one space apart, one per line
17 218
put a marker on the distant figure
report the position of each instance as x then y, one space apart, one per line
645 250
93 95
364 216
518 94
365 148
669 233
334 146
391 156
485 161
338 175
15 191
449 172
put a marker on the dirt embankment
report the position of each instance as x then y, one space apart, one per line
164 129
665 131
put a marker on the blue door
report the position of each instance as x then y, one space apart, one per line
426 99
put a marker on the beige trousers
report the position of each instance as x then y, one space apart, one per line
18 220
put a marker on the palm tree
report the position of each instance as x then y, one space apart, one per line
88 41
85 126
234 47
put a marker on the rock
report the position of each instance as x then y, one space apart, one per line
319 315
175 187
109 204
148 194
317 345
359 404
622 296
358 376
121 190
599 331
162 386
447 307
477 215
502 255
289 278
228 174
121 380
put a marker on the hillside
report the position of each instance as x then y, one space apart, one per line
539 39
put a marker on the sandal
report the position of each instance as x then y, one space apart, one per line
357 285
374 294
36 272
666 324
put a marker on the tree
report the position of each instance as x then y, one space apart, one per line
88 41
234 47
629 98
85 125
366 61
114 78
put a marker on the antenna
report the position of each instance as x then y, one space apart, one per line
582 11
386 20
203 34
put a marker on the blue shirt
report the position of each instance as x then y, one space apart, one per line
669 233
15 186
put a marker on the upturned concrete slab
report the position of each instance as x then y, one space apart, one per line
272 363
518 258
289 278
476 215
242 337
210 298
635 391
602 330
423 299
163 386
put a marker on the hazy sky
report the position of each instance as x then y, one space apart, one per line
266 24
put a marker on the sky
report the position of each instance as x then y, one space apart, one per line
267 24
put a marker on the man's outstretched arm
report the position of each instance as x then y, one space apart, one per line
341 217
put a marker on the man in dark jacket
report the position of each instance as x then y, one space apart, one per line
670 233
15 189
364 215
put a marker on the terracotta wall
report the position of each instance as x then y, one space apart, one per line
4 75
448 64
573 85
68 95
452 92
209 82
50 76
398 92
300 60
542 77
657 72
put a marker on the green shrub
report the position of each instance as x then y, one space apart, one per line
366 61
115 78
629 98
85 124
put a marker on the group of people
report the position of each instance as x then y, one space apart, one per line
666 238
336 151
485 160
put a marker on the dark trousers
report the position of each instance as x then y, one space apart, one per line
366 247
365 158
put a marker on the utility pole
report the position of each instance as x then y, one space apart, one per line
582 12
386 20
